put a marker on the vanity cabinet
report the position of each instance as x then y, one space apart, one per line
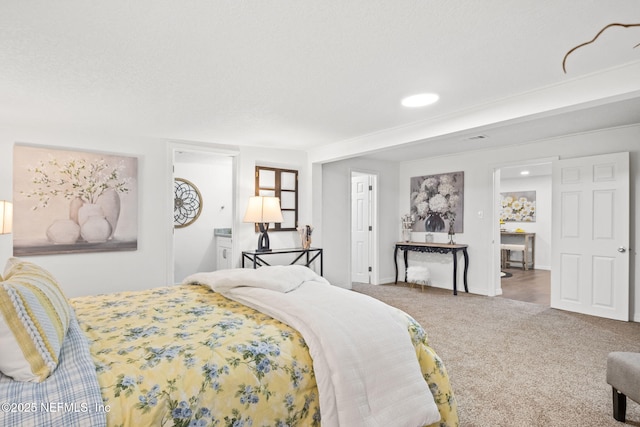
224 253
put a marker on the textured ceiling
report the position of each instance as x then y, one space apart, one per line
302 74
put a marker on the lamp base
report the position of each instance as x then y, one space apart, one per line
263 240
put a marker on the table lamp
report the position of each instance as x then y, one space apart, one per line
263 210
6 216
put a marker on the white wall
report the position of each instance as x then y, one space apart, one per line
87 274
478 167
336 223
151 265
92 273
245 237
542 226
195 245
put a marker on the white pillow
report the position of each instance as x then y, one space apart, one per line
279 278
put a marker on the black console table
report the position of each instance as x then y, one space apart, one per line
441 248
310 255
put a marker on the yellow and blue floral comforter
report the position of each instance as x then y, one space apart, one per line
187 356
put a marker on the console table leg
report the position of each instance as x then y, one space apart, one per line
395 262
455 272
466 268
406 264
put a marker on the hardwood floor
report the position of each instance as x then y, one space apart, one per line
530 286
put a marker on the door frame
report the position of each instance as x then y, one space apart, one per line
172 148
496 289
374 277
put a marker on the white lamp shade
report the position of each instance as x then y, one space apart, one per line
263 209
6 216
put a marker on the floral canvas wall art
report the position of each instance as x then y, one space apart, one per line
437 202
69 201
518 206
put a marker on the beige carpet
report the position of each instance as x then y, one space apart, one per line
514 363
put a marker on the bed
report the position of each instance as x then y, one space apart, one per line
201 354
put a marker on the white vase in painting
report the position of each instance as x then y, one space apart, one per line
109 201
63 231
74 207
96 229
88 210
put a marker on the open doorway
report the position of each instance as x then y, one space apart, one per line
203 186
525 232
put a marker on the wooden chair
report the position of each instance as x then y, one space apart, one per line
506 260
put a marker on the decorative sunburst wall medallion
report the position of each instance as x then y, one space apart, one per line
187 203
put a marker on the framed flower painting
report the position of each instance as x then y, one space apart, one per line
70 201
437 202
518 206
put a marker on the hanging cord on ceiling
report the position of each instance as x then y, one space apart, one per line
564 60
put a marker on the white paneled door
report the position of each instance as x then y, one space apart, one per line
360 228
590 236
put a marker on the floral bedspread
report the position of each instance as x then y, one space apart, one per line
185 355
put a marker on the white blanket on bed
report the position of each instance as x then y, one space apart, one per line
364 362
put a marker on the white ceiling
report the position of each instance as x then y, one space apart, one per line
326 76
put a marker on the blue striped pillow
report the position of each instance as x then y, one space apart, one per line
34 318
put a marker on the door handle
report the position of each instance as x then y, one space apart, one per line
224 253
622 249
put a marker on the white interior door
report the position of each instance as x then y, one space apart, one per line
360 228
590 236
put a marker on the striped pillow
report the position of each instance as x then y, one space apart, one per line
34 318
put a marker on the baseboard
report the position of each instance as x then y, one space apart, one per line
390 280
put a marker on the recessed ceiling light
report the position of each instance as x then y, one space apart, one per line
524 173
420 100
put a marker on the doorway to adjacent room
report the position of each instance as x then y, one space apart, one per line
527 285
208 205
533 183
